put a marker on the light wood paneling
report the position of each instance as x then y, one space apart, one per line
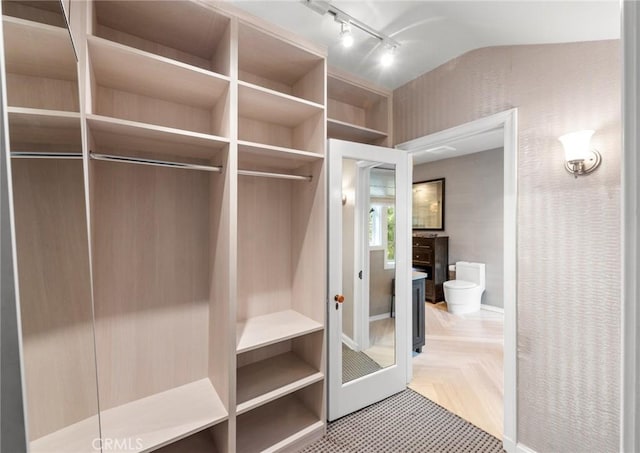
279 64
270 106
41 93
128 69
349 131
79 436
254 156
151 278
259 331
45 11
134 107
357 110
38 50
222 276
53 265
276 425
308 244
162 418
37 130
198 34
264 246
41 66
201 442
121 136
269 379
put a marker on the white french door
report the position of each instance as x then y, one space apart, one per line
369 275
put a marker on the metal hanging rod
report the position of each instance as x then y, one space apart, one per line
34 155
263 174
163 163
153 162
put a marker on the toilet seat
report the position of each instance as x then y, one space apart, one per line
459 284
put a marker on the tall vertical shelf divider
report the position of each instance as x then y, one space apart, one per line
196 137
281 241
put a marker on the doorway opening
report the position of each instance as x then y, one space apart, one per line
487 148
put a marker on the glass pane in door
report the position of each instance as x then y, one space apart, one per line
368 268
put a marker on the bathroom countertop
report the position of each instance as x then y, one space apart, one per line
418 275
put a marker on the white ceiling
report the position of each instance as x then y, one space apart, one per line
433 32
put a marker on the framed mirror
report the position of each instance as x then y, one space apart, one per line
428 205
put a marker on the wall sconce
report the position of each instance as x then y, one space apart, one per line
580 158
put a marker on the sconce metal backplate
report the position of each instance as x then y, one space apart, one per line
584 167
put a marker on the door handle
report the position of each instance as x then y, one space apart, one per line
339 298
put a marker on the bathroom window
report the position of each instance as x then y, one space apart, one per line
382 232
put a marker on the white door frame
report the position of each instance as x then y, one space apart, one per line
508 121
630 316
354 395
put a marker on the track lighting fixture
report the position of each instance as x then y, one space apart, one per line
388 56
347 22
346 37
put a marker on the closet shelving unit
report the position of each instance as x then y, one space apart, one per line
358 111
281 226
51 235
159 96
198 136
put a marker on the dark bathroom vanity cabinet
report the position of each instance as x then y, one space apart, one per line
431 256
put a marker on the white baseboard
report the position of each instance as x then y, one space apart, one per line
492 308
509 445
380 316
520 448
350 343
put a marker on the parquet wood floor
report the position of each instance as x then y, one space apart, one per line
461 366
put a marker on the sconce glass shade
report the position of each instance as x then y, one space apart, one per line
576 145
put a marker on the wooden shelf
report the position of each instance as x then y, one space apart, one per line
45 12
201 442
37 130
268 329
163 418
264 381
186 31
279 64
76 437
116 135
276 425
270 106
38 50
274 157
352 132
128 69
358 111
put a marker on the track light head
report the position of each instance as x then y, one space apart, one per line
346 37
388 56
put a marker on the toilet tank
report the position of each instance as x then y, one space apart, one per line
470 272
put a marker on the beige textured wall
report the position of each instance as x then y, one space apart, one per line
379 284
473 212
568 229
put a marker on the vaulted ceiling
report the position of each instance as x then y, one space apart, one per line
433 32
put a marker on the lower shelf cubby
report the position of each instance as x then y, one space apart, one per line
282 423
206 441
162 418
271 372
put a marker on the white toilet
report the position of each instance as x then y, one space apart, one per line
463 294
